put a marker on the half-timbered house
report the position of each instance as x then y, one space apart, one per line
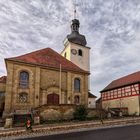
123 93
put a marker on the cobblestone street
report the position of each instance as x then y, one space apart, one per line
51 129
115 133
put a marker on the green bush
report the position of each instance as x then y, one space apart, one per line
80 113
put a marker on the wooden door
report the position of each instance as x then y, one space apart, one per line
1 109
53 99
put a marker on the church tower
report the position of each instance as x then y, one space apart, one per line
75 47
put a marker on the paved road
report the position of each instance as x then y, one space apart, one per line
118 133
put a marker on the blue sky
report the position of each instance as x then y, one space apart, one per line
111 27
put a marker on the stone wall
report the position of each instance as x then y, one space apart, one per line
91 103
132 103
61 112
12 87
96 113
52 78
64 112
50 83
42 81
2 87
2 97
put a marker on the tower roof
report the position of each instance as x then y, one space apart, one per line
75 36
49 58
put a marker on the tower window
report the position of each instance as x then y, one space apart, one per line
24 79
80 53
65 55
77 85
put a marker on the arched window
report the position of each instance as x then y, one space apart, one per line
77 99
80 53
23 97
77 85
24 79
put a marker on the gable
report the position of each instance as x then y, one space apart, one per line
48 58
124 81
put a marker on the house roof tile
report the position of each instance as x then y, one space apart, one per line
126 80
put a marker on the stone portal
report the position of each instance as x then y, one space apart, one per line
53 99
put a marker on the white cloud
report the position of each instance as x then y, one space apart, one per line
112 30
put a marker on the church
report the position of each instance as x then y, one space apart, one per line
47 78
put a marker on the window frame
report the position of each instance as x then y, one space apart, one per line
77 99
65 55
21 95
23 83
80 52
77 88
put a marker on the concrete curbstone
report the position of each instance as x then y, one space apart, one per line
70 126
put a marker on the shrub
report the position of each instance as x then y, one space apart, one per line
80 113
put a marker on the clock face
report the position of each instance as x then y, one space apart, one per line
73 51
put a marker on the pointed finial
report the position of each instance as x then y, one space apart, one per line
74 5
75 14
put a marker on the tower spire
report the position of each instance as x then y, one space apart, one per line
75 36
75 22
74 5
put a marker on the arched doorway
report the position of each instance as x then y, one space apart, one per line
53 99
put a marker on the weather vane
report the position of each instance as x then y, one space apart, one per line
74 5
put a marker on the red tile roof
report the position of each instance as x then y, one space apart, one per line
3 79
49 58
126 80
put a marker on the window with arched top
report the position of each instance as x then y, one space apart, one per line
80 52
77 85
65 55
24 79
23 97
77 99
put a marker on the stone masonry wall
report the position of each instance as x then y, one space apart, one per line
61 112
42 81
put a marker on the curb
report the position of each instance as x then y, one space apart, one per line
36 129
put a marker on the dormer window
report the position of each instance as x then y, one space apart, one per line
80 53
